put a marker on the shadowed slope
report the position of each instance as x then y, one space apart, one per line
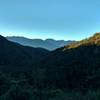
13 54
75 65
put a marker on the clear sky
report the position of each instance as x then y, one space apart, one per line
58 19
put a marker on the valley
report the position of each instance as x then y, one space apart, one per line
71 72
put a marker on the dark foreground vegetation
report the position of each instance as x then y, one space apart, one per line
32 87
68 73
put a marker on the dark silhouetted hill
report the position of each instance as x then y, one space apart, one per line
76 65
13 54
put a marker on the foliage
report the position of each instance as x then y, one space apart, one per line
68 73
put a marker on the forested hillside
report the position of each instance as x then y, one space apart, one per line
18 57
68 73
76 65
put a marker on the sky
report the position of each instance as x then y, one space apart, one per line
57 19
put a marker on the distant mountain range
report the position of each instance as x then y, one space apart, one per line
49 44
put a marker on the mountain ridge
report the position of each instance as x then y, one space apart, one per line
75 65
93 40
49 44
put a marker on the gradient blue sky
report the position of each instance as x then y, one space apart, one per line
58 19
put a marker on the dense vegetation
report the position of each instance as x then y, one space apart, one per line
68 73
24 87
76 65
